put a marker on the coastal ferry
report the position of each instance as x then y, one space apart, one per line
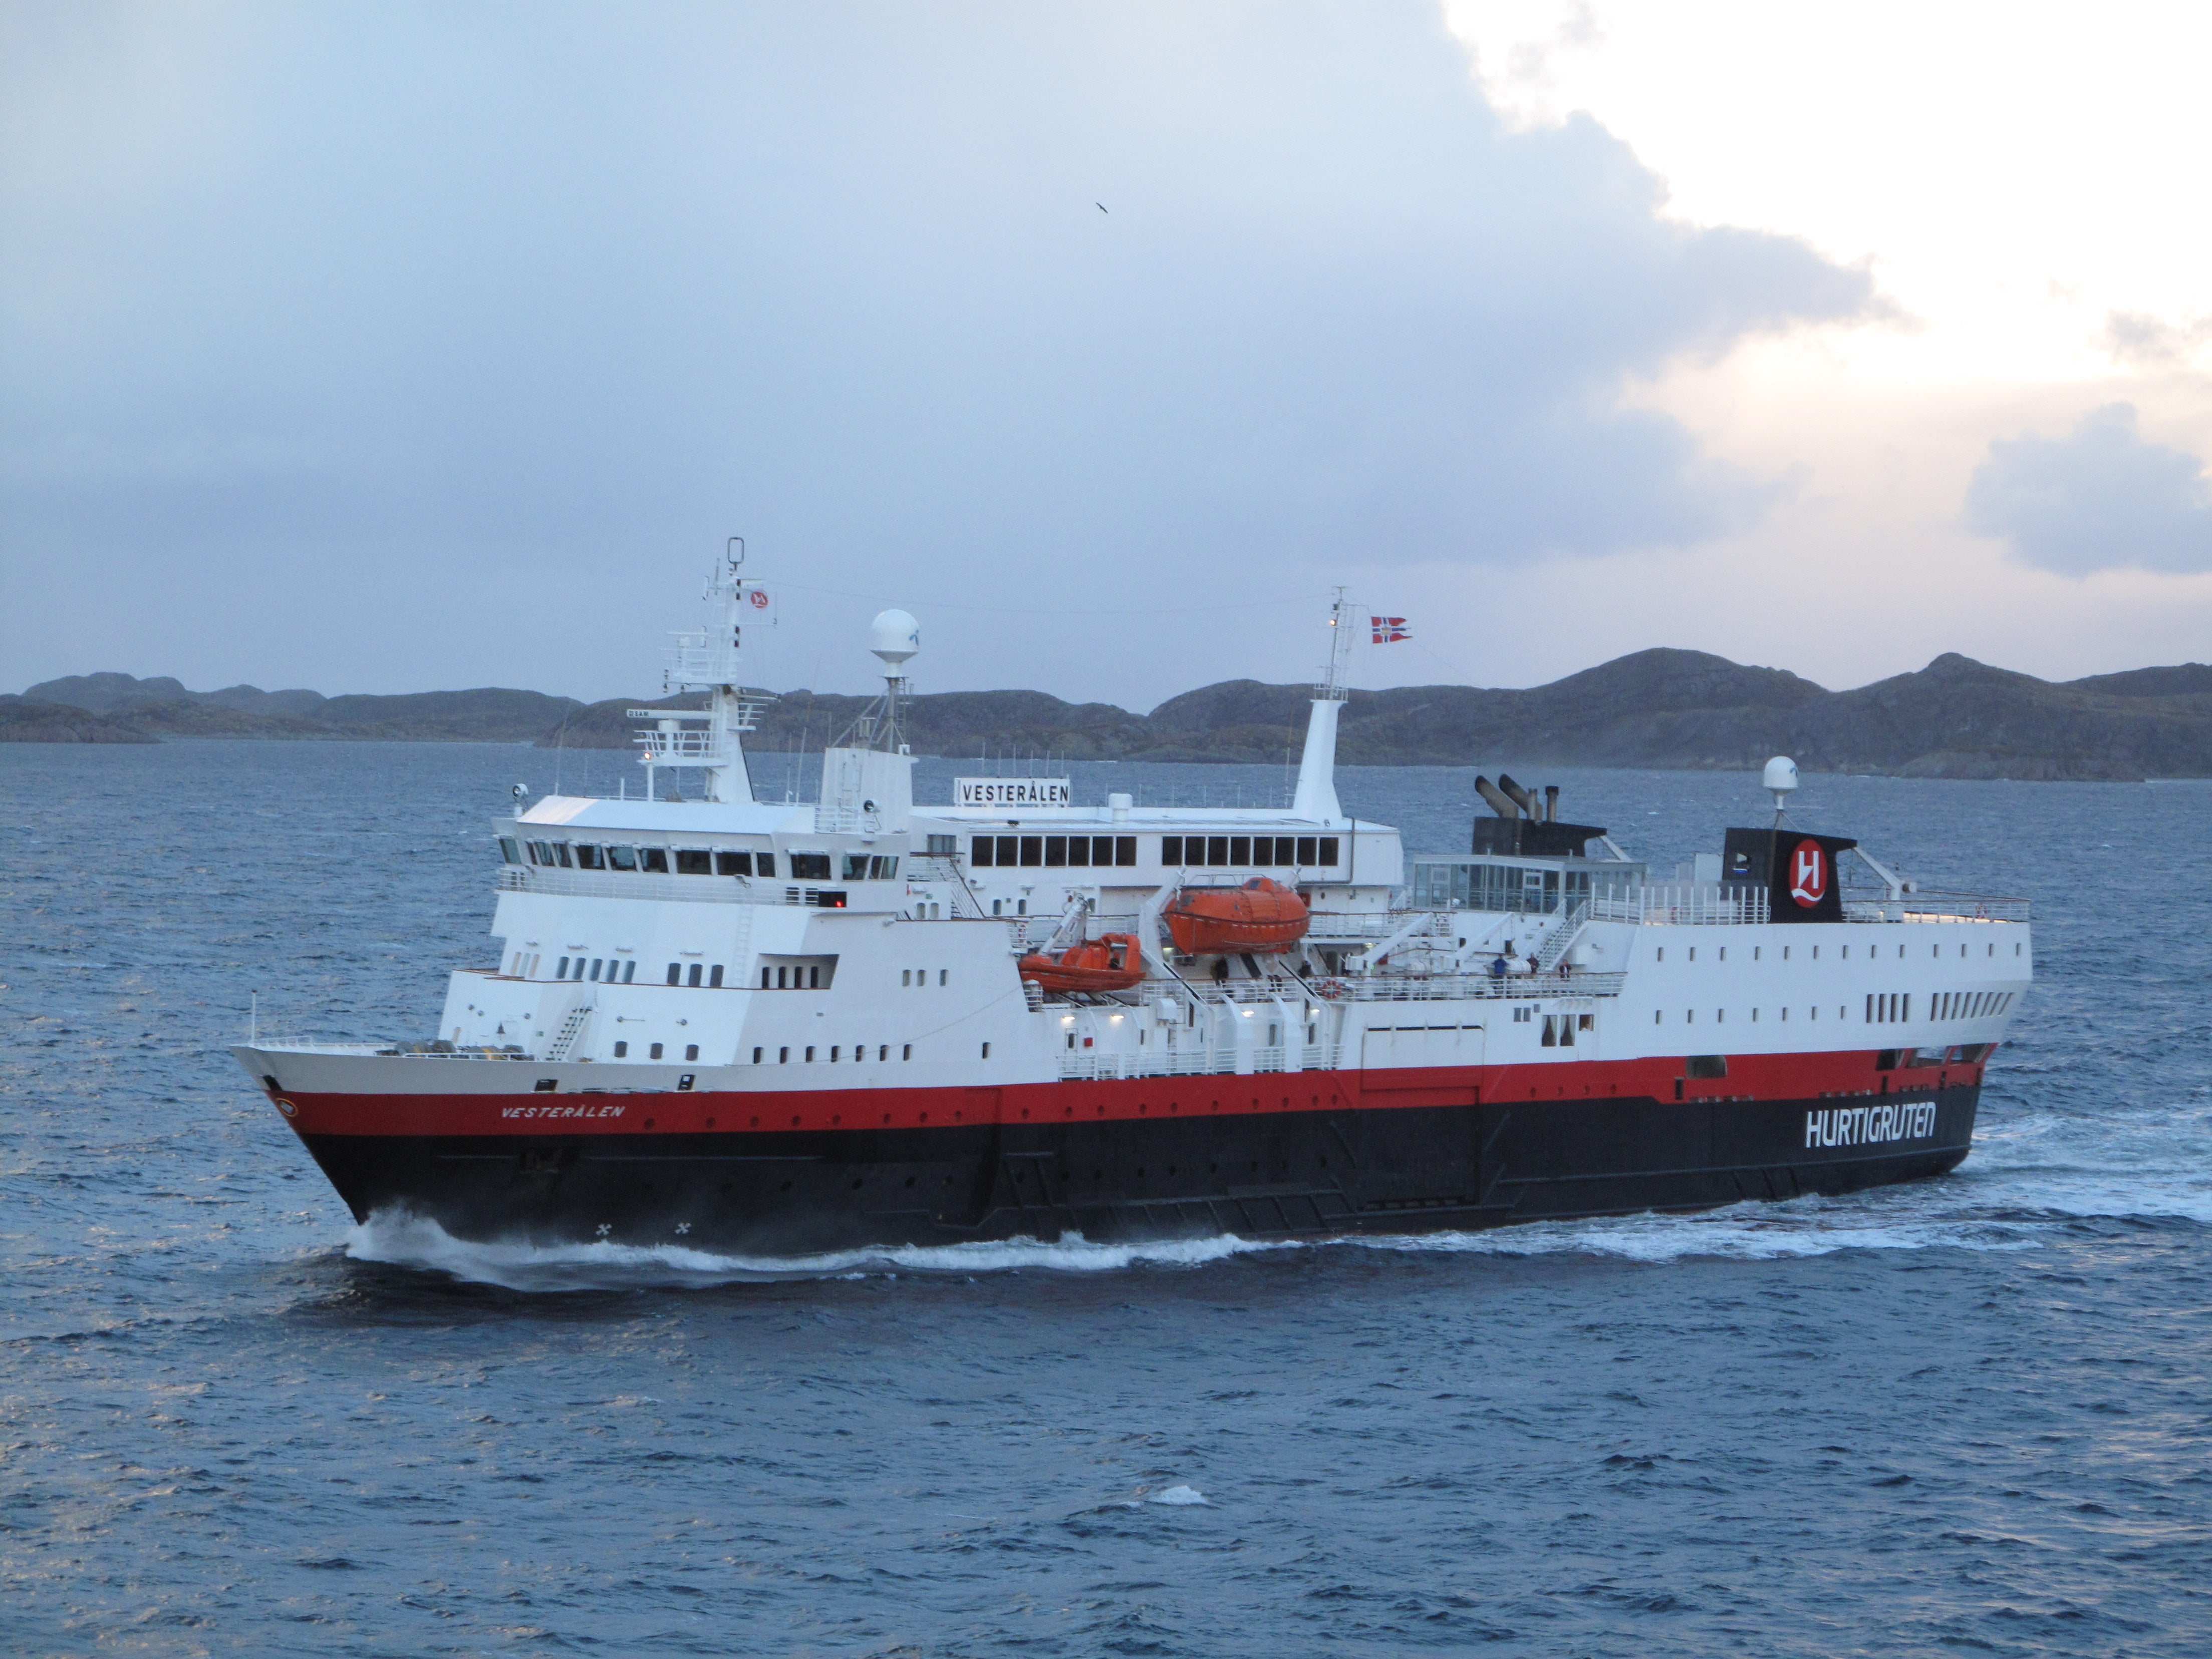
779 1028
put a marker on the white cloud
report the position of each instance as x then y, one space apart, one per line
2101 498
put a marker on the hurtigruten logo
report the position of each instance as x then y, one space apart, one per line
1870 1125
1808 873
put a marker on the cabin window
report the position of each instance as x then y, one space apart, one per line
714 976
810 1054
783 1056
883 1051
690 1051
675 972
622 1050
653 1053
979 848
561 972
561 852
906 1051
1263 849
694 861
809 867
733 864
942 974
764 864
906 977
987 1051
1240 849
1078 850
589 857
1217 850
510 849
1032 851
1328 852
595 971
630 972
1056 852
653 860
622 858
1170 849
691 977
833 1053
757 1053
1308 850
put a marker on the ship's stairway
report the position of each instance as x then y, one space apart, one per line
1563 938
564 1040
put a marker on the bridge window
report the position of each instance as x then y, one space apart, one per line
733 864
653 860
809 867
510 849
694 861
622 858
561 852
856 866
589 857
1032 851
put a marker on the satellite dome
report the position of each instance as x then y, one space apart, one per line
894 636
1781 775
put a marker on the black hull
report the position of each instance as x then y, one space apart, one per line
1280 1175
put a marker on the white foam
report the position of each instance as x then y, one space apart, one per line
405 1240
1180 1495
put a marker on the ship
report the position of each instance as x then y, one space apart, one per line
784 1028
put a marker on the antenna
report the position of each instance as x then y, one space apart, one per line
1779 780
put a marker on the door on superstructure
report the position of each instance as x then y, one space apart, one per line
1419 1084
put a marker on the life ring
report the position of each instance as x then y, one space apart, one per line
1332 989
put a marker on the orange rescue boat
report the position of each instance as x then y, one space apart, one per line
1261 915
1110 963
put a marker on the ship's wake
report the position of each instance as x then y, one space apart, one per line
404 1240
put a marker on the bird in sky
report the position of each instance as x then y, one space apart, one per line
1101 206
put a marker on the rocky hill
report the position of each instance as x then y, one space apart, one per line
1955 718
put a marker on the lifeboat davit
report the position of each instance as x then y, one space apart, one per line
1110 963
1261 915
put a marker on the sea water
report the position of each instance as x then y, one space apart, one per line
1969 1415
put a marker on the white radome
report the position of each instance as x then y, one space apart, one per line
1781 775
894 636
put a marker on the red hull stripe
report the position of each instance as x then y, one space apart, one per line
1849 1074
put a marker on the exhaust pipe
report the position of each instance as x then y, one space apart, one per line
1550 803
1498 802
1522 797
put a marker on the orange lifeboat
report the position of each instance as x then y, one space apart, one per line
1110 963
1261 915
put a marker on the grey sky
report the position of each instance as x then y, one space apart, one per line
2101 498
380 347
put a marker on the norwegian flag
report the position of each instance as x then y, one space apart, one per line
1389 630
